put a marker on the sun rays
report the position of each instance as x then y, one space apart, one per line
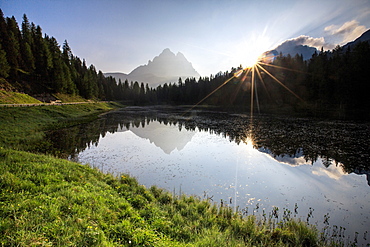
249 77
253 75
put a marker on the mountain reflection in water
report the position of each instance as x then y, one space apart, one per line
288 140
168 138
254 165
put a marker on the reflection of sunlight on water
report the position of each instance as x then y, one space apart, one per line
249 142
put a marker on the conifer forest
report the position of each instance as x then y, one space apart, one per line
331 83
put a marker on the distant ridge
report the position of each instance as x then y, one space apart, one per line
165 68
290 47
117 75
364 37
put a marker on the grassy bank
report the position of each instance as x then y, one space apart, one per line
8 97
45 201
65 98
22 128
53 202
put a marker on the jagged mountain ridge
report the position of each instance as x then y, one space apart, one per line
165 68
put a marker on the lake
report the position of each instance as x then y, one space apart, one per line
270 166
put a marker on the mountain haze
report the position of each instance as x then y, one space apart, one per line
292 49
165 68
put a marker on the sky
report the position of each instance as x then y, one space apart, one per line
214 35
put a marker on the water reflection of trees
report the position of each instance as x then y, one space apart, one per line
335 142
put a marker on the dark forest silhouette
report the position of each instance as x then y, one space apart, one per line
332 83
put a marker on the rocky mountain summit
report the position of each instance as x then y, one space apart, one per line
165 68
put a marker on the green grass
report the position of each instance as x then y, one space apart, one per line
16 98
22 128
65 98
45 201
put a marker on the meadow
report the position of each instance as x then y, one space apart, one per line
46 201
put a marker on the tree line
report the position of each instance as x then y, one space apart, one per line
330 83
35 63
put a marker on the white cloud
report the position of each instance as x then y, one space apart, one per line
349 31
309 41
337 35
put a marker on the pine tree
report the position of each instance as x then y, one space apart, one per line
102 85
58 80
43 60
11 47
26 43
3 30
136 92
67 52
4 66
142 93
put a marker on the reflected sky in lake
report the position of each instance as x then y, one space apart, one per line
211 166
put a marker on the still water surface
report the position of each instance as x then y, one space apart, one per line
316 170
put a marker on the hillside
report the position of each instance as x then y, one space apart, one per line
7 97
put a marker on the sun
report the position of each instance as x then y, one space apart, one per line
251 61
249 142
250 50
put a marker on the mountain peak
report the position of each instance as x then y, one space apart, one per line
164 68
165 55
167 50
180 55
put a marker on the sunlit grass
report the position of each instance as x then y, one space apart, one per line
7 97
65 98
22 127
47 201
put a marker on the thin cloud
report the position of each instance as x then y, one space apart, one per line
349 31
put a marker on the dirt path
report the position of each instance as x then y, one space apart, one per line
41 104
